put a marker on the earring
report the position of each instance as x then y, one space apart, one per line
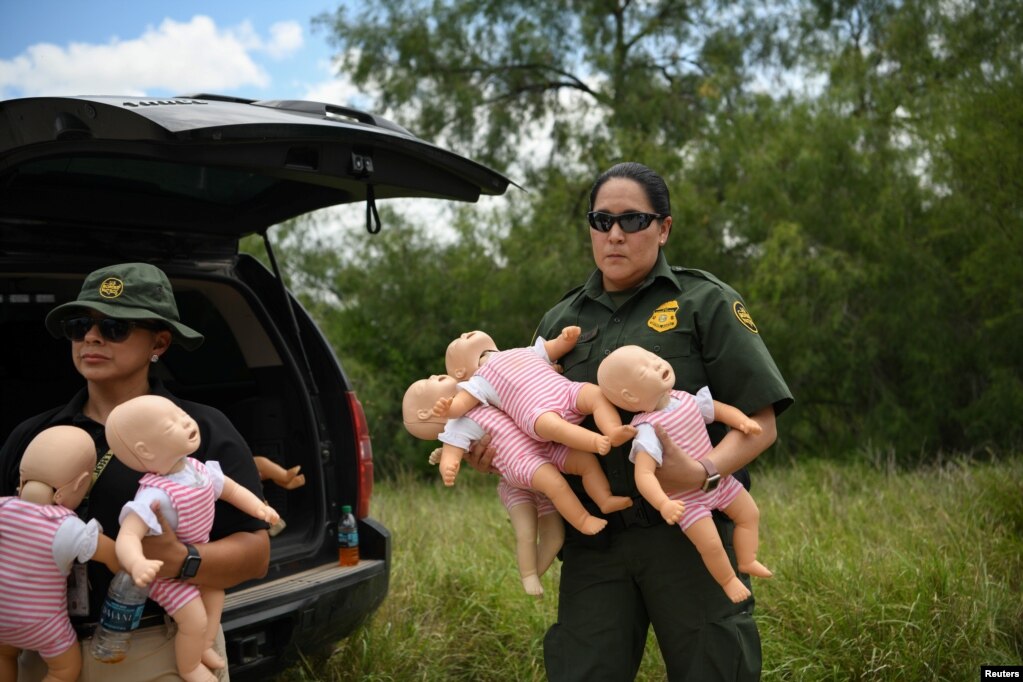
154 358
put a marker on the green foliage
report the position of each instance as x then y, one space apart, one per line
870 218
880 574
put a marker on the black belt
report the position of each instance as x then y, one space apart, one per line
85 630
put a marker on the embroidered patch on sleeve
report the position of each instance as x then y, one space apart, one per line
743 316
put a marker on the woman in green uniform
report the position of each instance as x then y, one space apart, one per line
640 570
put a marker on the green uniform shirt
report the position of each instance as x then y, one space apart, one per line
688 317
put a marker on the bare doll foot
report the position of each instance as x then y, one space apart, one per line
615 503
601 445
592 525
672 511
212 660
199 674
532 585
755 568
622 434
736 591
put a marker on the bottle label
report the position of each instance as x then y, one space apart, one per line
121 617
348 539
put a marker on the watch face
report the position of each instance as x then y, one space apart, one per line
712 483
191 565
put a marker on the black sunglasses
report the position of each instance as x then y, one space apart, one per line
110 328
630 222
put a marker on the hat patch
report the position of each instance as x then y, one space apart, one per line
664 317
743 316
111 288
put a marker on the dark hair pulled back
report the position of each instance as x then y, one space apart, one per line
653 184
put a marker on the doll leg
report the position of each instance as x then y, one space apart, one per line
551 483
450 462
592 400
213 602
705 536
524 521
190 642
551 427
9 662
594 481
551 538
64 667
744 512
650 488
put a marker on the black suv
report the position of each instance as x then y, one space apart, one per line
90 181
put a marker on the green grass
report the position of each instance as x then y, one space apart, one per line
879 575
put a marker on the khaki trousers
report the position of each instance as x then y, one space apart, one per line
150 659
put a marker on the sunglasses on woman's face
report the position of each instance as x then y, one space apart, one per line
110 328
630 222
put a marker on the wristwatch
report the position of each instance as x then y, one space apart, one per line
713 477
191 565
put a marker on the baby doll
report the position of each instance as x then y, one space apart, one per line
539 530
40 539
639 381
523 461
523 383
151 434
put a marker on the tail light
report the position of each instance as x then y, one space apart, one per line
364 448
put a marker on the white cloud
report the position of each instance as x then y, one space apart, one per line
174 57
285 38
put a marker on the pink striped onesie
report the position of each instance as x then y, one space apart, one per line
38 544
687 427
192 493
518 456
527 386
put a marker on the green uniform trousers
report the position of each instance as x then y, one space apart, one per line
609 595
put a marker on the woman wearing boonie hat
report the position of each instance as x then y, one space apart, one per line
123 320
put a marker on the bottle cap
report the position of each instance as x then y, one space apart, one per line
346 509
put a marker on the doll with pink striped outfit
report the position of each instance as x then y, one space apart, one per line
40 539
524 384
523 462
151 434
642 382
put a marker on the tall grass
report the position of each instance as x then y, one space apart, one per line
879 575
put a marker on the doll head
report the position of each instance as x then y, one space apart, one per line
152 434
464 354
417 405
635 379
57 467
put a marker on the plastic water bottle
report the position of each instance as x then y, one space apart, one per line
122 612
347 538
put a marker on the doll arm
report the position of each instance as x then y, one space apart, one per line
562 344
289 479
650 488
244 499
129 550
106 553
733 417
452 408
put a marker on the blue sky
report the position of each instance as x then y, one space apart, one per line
263 49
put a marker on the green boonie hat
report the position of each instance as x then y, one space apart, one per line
128 291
